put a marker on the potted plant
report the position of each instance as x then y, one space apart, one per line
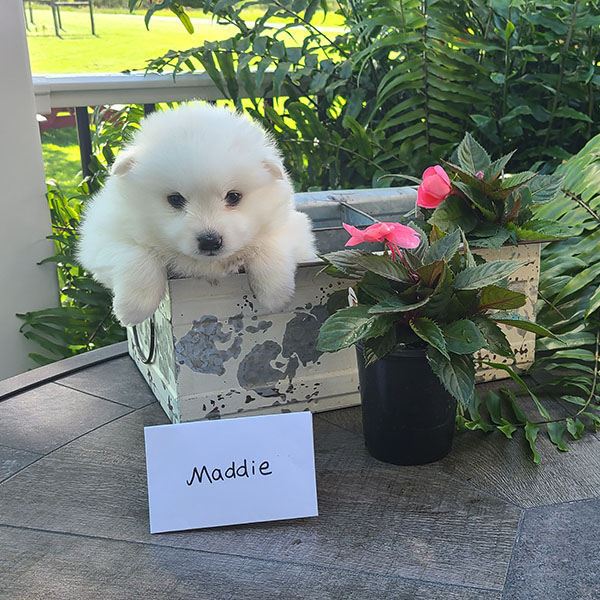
418 312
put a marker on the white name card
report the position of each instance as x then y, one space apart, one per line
242 470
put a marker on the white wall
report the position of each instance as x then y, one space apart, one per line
24 215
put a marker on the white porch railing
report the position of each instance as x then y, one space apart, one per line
60 91
81 91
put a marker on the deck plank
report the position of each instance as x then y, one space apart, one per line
13 460
119 381
55 566
503 467
43 419
386 521
558 554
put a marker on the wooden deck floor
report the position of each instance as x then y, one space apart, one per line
483 524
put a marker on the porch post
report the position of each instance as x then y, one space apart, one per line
25 218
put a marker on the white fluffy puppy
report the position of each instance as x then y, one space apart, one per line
199 192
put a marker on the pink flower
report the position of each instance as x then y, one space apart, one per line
435 188
479 174
393 234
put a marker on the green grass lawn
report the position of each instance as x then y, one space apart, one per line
61 158
122 41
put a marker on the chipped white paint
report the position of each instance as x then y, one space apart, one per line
218 354
525 281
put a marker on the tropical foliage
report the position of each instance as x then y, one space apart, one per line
566 371
400 84
570 296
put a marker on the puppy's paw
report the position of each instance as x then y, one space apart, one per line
275 302
274 293
271 277
131 311
138 291
129 315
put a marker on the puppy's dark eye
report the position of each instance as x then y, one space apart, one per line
176 200
233 198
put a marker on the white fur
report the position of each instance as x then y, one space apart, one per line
131 235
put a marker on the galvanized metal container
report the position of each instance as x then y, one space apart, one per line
212 351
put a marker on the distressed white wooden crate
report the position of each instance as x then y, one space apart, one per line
216 353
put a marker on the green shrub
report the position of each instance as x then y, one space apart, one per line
398 87
570 293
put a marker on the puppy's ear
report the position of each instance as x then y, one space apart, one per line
124 162
275 167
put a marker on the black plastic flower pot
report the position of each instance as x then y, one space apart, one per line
408 416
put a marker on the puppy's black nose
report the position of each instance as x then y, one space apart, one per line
210 242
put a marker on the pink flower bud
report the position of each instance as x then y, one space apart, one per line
479 174
435 188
